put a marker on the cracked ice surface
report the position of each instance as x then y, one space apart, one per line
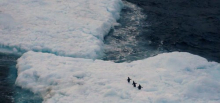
175 77
63 27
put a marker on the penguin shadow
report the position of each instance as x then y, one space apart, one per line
134 84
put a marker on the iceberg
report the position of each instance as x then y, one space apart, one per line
74 28
176 77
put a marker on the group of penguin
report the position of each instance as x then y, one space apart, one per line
134 84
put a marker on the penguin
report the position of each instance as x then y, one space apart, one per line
139 87
128 80
134 84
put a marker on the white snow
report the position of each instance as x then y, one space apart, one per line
63 27
175 77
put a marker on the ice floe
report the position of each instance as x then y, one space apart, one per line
175 77
73 28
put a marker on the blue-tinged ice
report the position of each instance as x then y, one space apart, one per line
73 28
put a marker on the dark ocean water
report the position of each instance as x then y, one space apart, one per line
5 88
183 25
171 25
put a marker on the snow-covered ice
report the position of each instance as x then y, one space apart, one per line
175 77
73 28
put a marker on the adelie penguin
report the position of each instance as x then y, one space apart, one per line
129 80
139 87
134 84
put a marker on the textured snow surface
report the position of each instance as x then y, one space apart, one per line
175 77
63 27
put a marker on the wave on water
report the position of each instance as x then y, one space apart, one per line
122 43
